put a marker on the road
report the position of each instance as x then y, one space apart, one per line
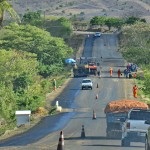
45 135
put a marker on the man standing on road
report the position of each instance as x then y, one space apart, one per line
111 72
135 90
119 73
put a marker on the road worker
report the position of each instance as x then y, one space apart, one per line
135 90
134 75
119 73
111 72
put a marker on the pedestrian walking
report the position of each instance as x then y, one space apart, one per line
119 73
111 71
54 84
135 91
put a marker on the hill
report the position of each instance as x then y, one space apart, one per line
86 8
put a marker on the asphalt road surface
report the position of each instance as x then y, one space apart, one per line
80 105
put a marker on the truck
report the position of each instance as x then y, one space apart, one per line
116 113
80 71
135 127
85 66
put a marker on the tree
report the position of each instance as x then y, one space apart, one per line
5 6
33 18
50 51
131 20
18 69
97 20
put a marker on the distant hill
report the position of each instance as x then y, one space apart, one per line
86 8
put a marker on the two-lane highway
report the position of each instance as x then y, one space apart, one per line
84 102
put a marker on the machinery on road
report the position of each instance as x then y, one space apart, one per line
85 66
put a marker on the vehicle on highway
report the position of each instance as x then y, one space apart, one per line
147 138
135 127
97 34
86 84
116 113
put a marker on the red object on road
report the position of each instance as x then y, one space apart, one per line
61 142
111 72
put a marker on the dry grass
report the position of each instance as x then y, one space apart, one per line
113 8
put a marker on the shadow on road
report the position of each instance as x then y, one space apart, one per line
92 138
111 145
88 117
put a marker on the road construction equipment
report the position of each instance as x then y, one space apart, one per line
85 66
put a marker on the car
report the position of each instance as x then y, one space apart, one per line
147 139
97 34
135 127
86 84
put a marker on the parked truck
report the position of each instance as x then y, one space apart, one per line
116 114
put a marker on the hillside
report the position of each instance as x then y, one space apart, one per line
86 8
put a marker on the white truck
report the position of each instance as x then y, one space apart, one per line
135 126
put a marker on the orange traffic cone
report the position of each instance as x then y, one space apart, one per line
97 85
94 115
82 132
61 142
96 96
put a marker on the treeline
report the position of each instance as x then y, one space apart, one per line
114 22
135 47
29 57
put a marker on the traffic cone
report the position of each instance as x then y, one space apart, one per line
61 142
82 132
94 115
96 96
97 85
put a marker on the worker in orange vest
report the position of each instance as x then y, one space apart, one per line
135 90
111 71
119 73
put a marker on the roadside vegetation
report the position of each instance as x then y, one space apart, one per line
135 47
30 58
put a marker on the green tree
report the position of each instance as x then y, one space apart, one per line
131 20
5 6
32 18
17 70
147 84
50 51
97 20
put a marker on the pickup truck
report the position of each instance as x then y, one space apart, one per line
117 112
135 126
